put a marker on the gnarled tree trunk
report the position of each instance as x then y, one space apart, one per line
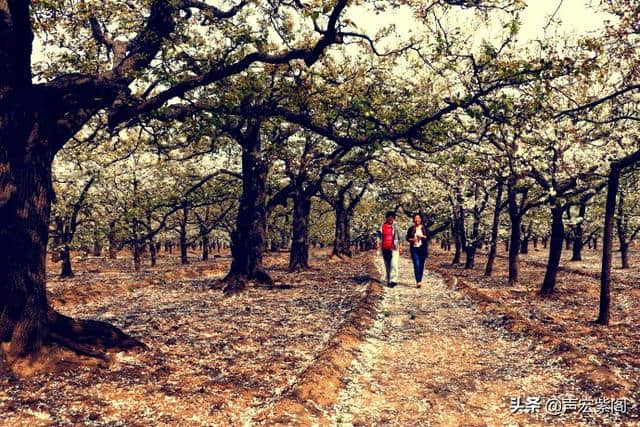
249 238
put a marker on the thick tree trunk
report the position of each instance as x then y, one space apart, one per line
249 238
111 238
495 224
25 200
555 251
299 255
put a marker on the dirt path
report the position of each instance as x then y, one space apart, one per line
433 359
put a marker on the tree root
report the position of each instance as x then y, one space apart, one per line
81 337
235 283
68 331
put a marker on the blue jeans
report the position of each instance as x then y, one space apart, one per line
418 256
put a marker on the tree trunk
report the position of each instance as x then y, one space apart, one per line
205 245
555 251
65 256
111 237
153 252
184 247
514 241
457 245
607 246
341 243
249 238
299 255
495 224
624 255
97 248
470 253
622 226
55 252
137 251
576 253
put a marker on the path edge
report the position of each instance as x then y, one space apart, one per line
588 370
318 387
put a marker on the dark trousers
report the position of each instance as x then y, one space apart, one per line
418 256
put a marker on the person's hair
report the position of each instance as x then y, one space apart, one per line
390 214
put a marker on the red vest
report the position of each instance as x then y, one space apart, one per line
387 236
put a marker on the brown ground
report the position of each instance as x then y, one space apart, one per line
332 347
212 361
434 358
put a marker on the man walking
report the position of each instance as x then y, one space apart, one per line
389 244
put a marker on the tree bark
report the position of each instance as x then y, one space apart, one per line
205 245
299 255
514 241
578 237
65 256
137 251
495 224
249 238
623 239
153 252
111 238
182 231
607 246
555 251
342 235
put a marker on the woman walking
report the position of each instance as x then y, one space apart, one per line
417 238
